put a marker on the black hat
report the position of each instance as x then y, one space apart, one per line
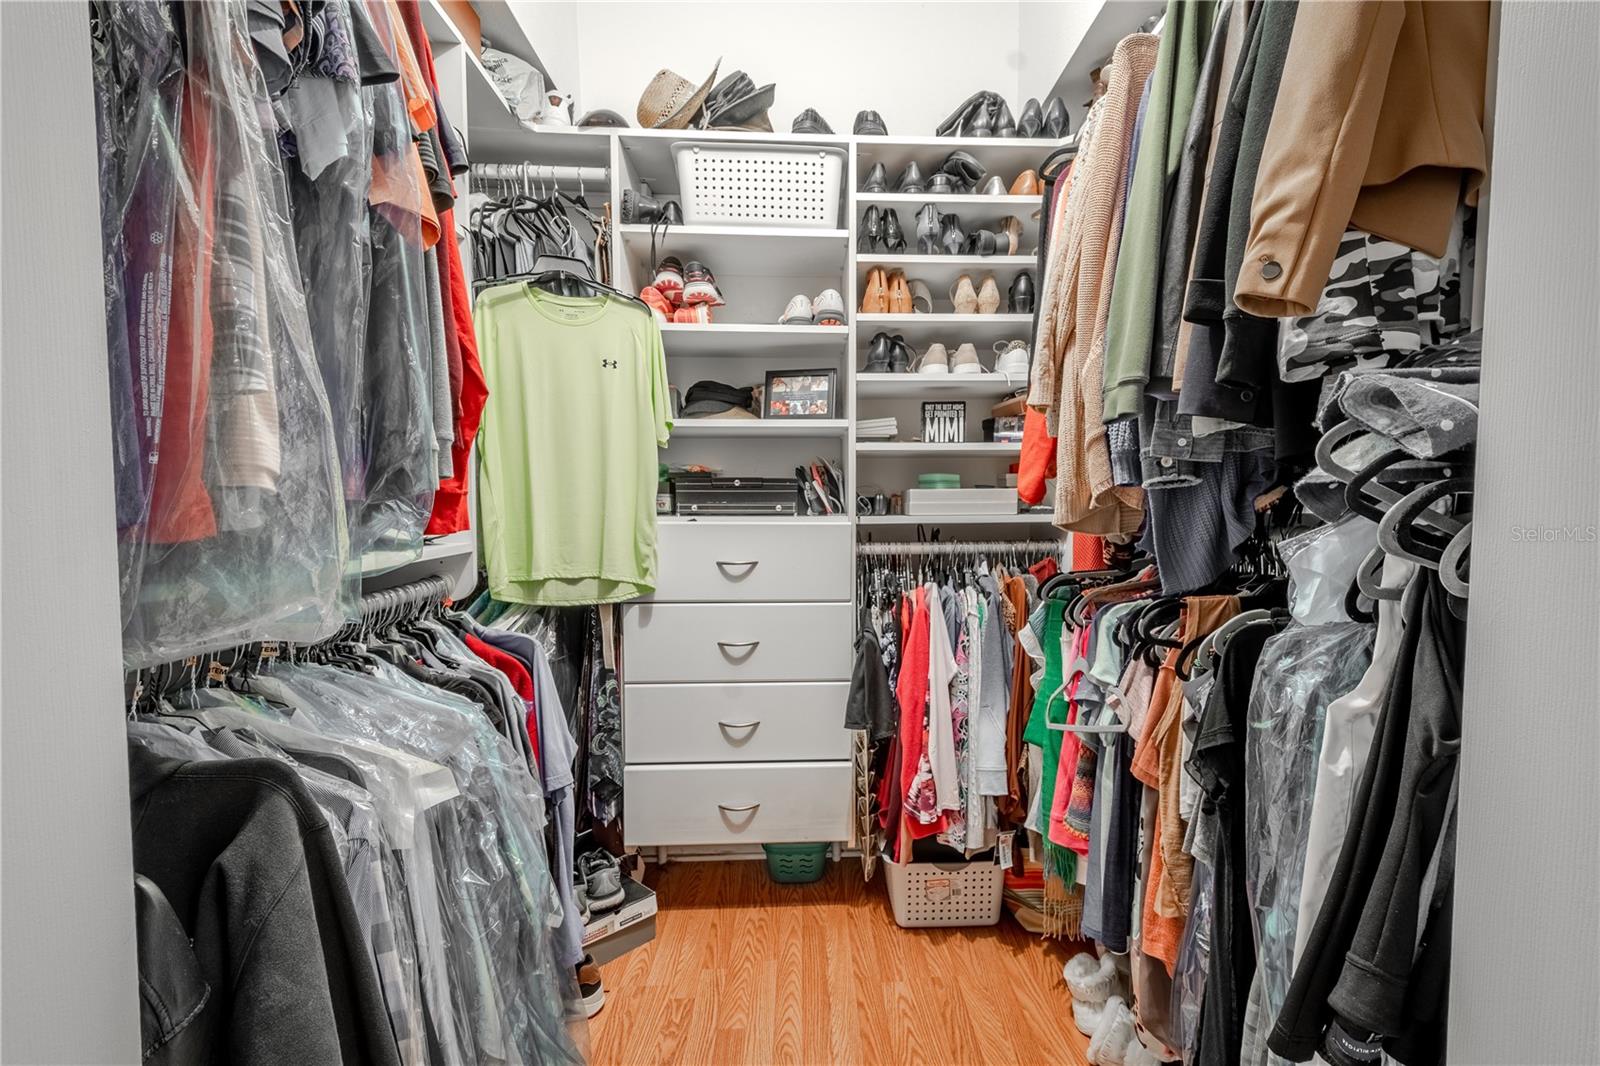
706 399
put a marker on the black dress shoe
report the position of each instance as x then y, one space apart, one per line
808 121
1032 120
910 179
1004 124
880 354
980 122
983 242
877 179
870 124
894 241
1019 299
941 184
871 230
900 355
950 236
1056 122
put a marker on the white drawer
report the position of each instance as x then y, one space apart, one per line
736 803
716 560
736 642
734 723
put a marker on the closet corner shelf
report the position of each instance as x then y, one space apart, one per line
759 427
1023 518
978 200
774 251
944 385
920 448
737 339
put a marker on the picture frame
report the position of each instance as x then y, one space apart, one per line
792 394
944 421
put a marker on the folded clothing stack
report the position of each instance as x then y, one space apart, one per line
877 428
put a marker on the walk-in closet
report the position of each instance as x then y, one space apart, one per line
774 533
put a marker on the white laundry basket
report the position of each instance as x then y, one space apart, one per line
759 185
945 894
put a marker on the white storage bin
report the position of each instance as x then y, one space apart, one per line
759 185
960 501
927 894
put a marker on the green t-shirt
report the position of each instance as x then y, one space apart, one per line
577 407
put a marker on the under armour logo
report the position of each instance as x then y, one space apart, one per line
609 364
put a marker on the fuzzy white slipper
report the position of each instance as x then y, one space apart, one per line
1110 1041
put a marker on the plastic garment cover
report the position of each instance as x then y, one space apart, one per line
500 995
1301 671
1194 955
1322 565
230 513
520 84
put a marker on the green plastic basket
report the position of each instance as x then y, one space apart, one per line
796 864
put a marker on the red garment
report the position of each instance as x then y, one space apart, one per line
1088 552
180 506
1038 460
1045 569
450 512
912 692
521 680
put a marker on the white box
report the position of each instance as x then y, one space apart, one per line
960 501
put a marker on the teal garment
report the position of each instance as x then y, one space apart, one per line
1131 326
1049 696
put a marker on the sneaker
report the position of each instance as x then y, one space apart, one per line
693 314
798 313
966 361
603 878
934 361
669 279
830 308
580 895
590 987
658 303
700 285
1011 359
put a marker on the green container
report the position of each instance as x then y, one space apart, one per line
938 481
796 864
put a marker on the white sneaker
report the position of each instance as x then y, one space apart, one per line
830 308
1011 359
966 361
935 360
798 313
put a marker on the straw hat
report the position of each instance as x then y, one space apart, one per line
671 101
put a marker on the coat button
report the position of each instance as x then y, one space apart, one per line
1271 270
1166 461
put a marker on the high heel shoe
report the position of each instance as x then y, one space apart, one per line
963 297
1027 184
877 179
995 186
1011 226
879 355
1004 124
928 230
875 295
910 179
950 236
900 293
1032 120
988 296
871 230
1056 123
981 122
894 241
1019 298
901 355
983 242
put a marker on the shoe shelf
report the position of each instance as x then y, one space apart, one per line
949 329
941 271
744 339
760 427
767 251
1021 206
1025 518
921 449
937 386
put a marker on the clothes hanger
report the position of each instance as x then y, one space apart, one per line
1399 534
1454 564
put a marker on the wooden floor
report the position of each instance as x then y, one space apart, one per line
745 971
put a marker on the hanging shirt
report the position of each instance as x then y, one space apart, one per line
577 407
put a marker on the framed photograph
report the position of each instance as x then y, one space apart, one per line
801 394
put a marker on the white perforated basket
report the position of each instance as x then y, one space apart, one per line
939 894
759 185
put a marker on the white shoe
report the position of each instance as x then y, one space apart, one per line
798 313
830 308
1089 977
935 360
1011 359
966 361
1109 1044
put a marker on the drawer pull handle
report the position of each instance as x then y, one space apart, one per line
741 809
727 564
739 725
726 644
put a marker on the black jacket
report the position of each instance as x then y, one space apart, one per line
250 868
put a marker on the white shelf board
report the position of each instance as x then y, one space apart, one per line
941 271
759 427
949 329
1016 204
449 556
735 339
951 386
742 519
759 251
1006 156
934 451
1030 518
649 152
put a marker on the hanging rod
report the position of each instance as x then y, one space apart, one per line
960 547
426 590
533 172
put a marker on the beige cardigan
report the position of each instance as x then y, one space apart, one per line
1069 363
